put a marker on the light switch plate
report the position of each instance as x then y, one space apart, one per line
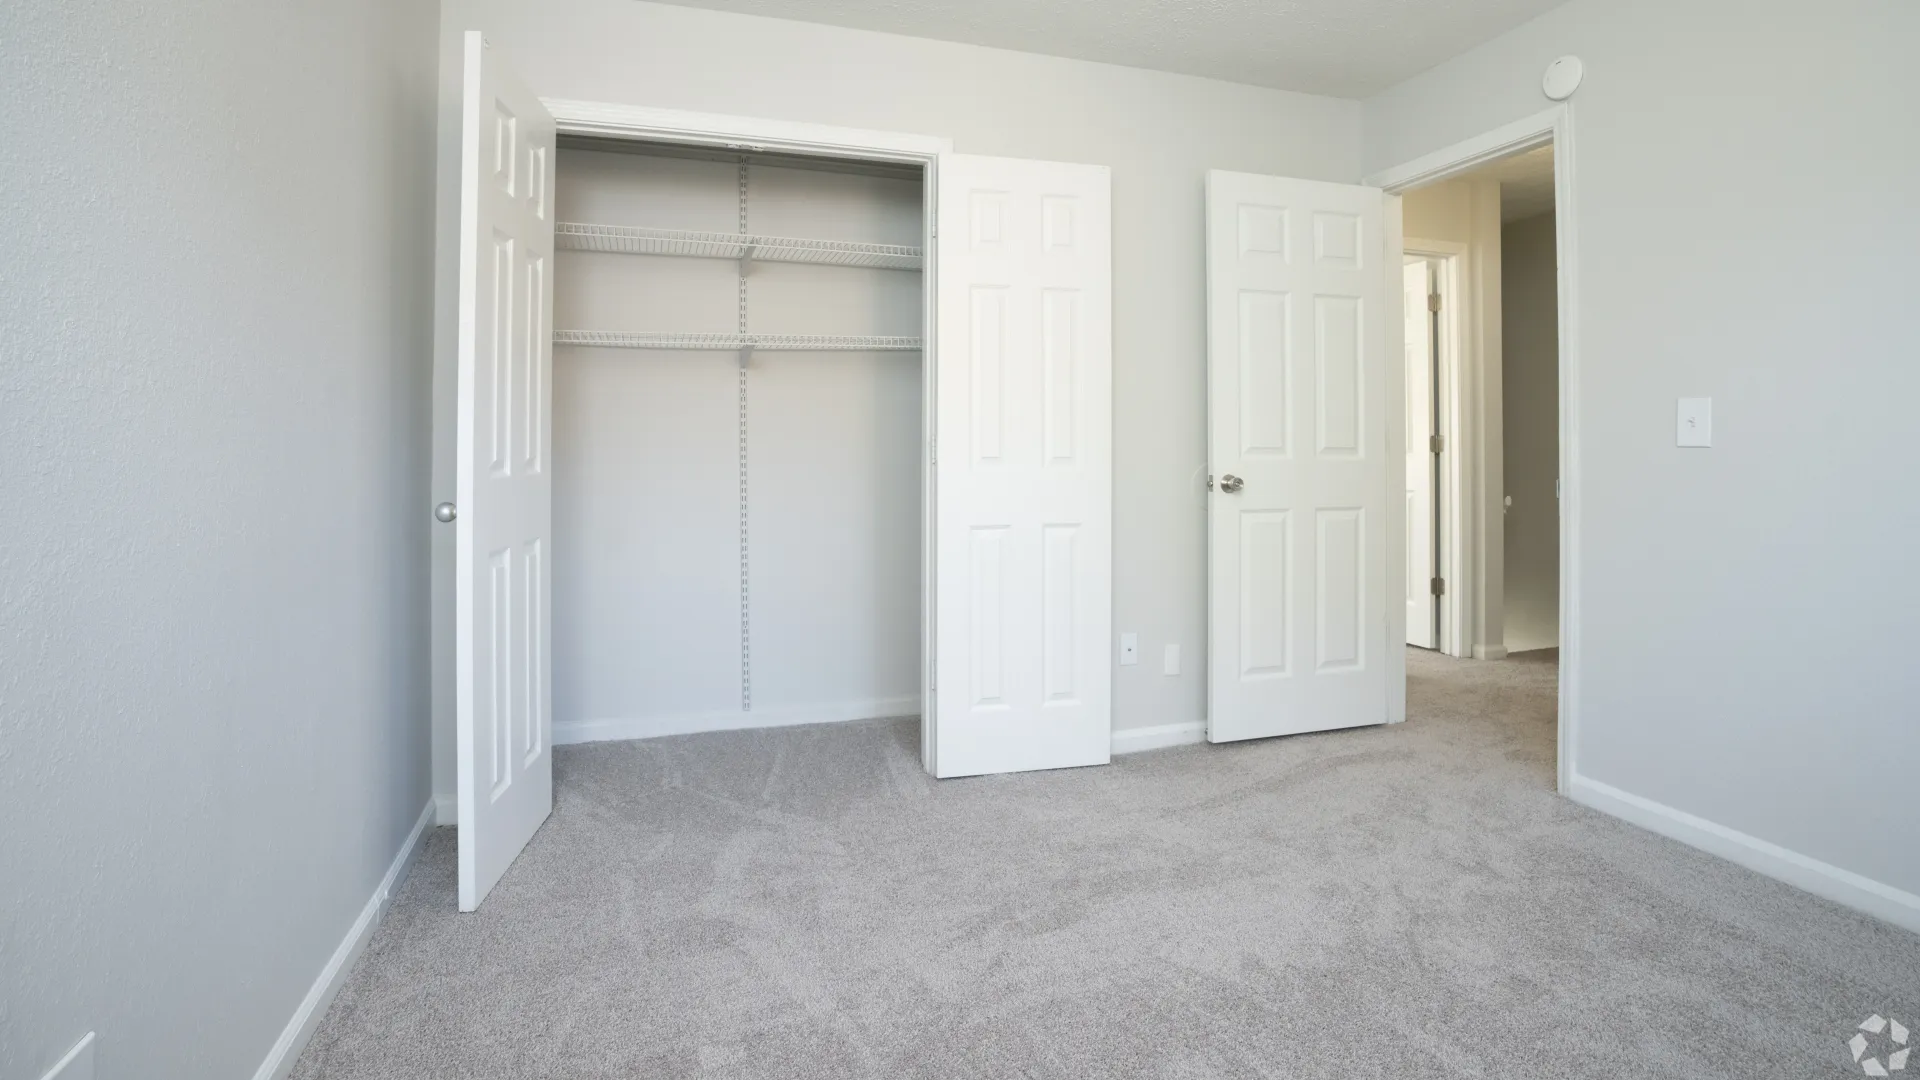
1170 659
1129 649
1694 425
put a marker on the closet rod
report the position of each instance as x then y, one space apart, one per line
647 339
890 170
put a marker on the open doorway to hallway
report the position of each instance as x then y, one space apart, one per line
1480 304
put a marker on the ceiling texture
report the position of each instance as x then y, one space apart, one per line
1342 48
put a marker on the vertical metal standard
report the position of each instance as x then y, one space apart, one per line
746 623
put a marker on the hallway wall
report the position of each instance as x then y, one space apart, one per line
1530 406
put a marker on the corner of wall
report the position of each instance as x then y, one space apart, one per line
1841 886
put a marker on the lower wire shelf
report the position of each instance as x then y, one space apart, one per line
630 339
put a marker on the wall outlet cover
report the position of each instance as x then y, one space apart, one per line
1694 423
1170 665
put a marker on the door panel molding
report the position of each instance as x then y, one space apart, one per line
503 658
1024 546
1306 595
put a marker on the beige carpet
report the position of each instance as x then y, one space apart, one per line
1410 901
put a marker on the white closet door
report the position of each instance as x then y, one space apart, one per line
1417 337
1024 467
503 655
1307 481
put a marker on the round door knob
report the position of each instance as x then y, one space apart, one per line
1231 483
445 512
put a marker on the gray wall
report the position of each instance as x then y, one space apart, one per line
1744 212
1159 133
213 462
1530 430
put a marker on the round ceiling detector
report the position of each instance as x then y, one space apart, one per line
1562 78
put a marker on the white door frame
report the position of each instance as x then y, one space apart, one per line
1555 126
1450 495
754 135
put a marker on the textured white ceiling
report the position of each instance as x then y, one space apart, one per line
1346 48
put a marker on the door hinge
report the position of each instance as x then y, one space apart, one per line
1433 301
933 451
1436 443
1439 586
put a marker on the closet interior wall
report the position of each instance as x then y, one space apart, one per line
659 623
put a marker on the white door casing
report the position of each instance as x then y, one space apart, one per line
1299 388
1023 467
503 572
1417 286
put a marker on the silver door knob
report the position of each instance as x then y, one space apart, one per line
1231 483
445 512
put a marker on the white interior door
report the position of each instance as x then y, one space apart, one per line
1023 473
503 656
1416 287
1299 387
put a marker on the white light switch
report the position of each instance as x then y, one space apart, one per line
1170 664
1129 649
1695 423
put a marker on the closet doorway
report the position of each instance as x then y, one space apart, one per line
742 440
737 504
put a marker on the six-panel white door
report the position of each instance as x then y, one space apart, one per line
1417 326
503 658
1023 473
1298 414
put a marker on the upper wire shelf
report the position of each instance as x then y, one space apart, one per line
653 339
639 240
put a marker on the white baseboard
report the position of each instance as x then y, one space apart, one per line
652 727
77 1065
286 1050
1844 887
446 810
1134 740
1489 652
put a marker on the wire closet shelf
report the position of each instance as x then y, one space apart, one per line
621 339
638 240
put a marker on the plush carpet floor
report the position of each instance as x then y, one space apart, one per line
1409 901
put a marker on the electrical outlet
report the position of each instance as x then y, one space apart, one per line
1170 664
1129 649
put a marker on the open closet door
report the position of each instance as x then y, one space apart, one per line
1305 461
1023 473
503 657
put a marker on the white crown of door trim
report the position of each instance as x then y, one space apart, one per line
1468 154
740 132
